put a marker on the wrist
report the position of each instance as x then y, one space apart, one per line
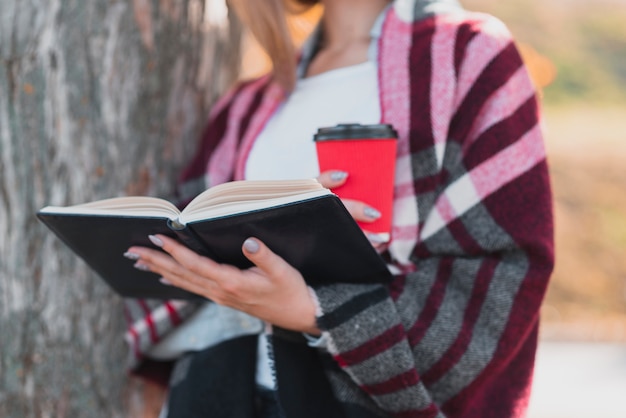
312 329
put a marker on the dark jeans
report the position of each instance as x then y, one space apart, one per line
267 406
219 382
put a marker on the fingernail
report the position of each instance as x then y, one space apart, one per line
165 281
155 240
372 213
131 256
376 238
251 245
142 266
338 175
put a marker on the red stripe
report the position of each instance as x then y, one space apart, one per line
372 347
154 336
465 240
396 287
211 136
135 343
395 384
464 35
503 134
434 300
430 183
173 313
421 77
492 78
431 412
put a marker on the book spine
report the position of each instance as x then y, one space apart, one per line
188 238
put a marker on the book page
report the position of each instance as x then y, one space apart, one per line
125 206
224 199
243 196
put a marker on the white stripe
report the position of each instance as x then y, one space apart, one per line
433 224
401 250
462 195
405 9
404 211
141 326
404 170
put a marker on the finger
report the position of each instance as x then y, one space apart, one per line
188 258
332 178
361 211
182 267
265 259
377 240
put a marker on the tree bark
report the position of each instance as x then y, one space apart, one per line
98 98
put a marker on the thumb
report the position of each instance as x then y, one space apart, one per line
264 258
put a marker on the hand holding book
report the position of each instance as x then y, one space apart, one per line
272 290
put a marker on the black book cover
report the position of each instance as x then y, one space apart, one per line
317 236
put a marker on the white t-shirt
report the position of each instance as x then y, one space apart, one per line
285 148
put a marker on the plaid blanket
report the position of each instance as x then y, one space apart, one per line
455 334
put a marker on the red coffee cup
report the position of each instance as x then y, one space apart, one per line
368 154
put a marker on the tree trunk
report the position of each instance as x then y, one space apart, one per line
98 98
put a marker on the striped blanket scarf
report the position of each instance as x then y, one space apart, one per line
455 333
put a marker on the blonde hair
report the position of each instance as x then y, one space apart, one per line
267 20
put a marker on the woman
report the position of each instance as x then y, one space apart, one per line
455 333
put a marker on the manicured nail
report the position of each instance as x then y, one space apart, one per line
371 213
131 256
338 175
141 266
376 238
165 281
251 245
155 240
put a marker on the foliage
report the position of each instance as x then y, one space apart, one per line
584 39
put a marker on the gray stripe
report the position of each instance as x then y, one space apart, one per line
491 322
392 362
425 8
416 290
486 232
447 324
443 242
335 295
163 325
395 360
366 325
415 397
346 391
424 164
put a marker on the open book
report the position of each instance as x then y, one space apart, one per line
300 220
